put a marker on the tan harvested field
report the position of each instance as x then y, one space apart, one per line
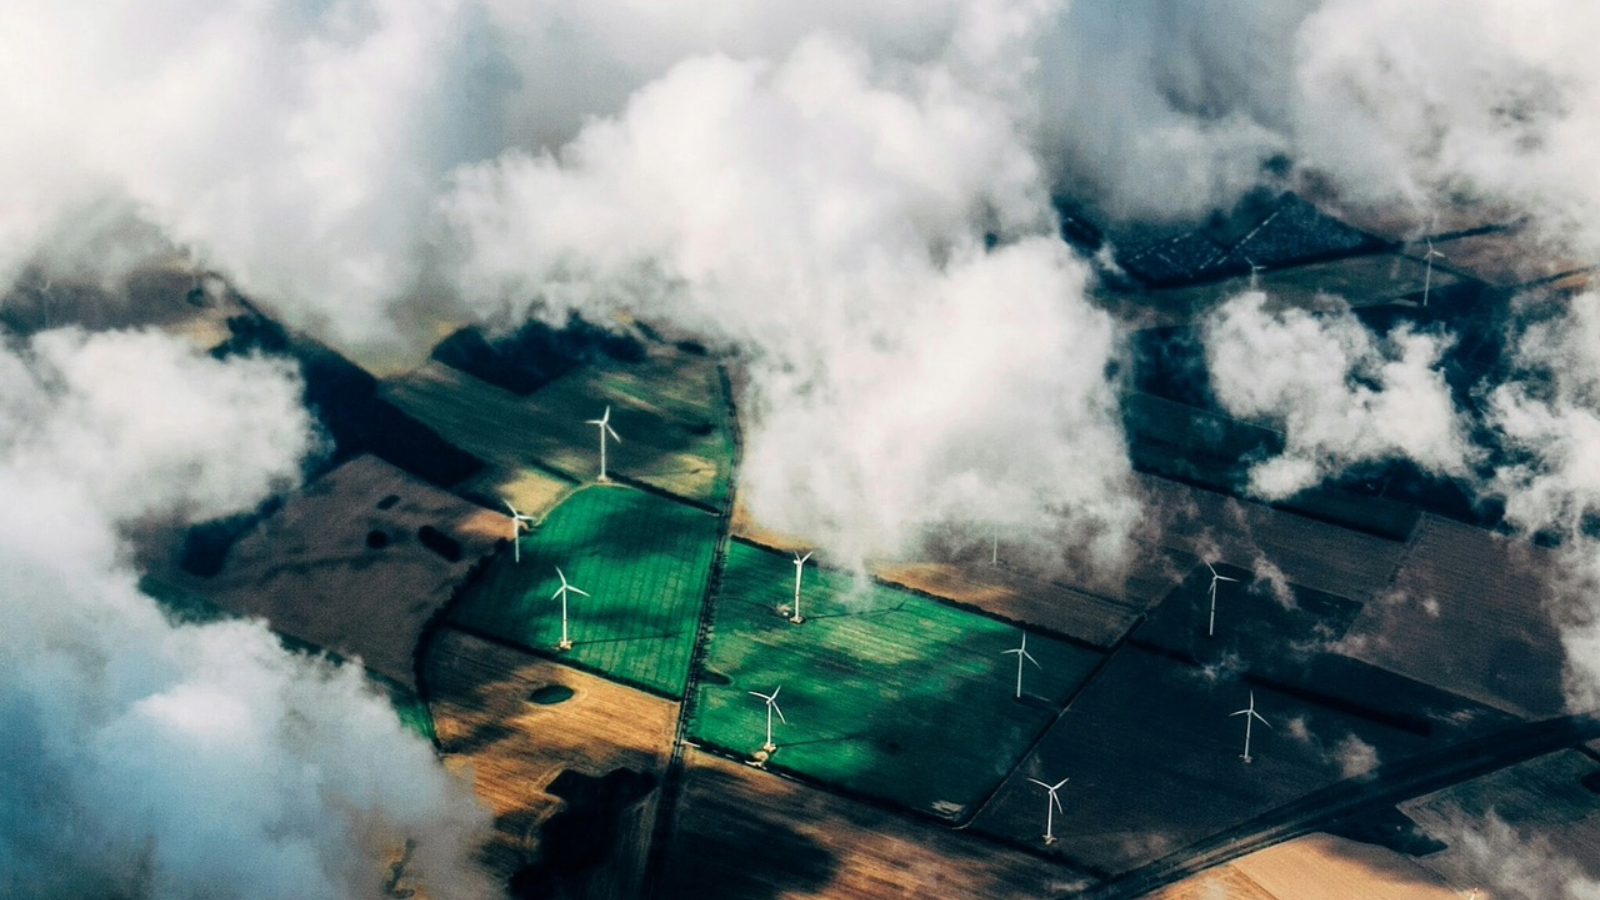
1003 592
1503 258
1466 612
1310 553
744 525
1315 867
479 695
1539 813
744 834
311 571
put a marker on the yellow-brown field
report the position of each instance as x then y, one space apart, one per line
741 833
479 695
1315 867
1002 592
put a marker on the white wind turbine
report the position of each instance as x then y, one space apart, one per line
1427 276
1053 804
1249 712
604 424
799 566
1022 654
772 707
519 521
1211 623
562 592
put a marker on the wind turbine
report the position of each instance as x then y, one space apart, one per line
799 565
519 521
772 706
1249 712
1050 808
994 546
1211 624
1022 654
46 299
1427 277
562 592
604 423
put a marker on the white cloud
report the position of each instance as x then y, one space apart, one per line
150 760
1341 394
826 215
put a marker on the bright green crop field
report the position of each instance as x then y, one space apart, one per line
886 692
644 561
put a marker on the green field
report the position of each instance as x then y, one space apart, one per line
886 692
644 561
671 414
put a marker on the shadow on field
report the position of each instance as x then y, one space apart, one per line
728 848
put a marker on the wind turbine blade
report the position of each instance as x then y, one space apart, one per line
1225 578
1012 650
775 693
1259 719
1056 801
1058 784
1213 571
577 591
1029 657
1040 783
758 694
613 432
779 710
1242 712
510 507
594 422
606 418
561 576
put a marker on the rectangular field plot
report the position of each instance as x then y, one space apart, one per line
671 414
644 561
517 722
886 693
1154 761
742 834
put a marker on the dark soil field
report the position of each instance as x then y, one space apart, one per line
1467 612
744 834
1550 809
1154 758
357 564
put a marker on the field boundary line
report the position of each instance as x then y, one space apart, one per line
671 789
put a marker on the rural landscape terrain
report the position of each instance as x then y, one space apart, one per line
656 696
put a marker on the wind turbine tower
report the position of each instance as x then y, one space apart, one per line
1053 804
1211 623
1249 712
604 424
1022 654
772 707
519 521
1427 276
562 592
799 566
